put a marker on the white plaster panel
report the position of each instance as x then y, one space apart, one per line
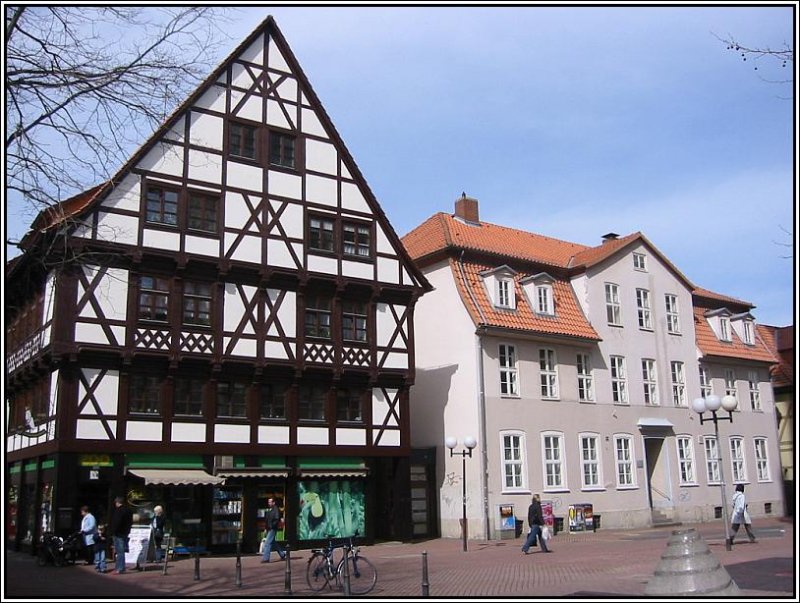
244 347
388 437
321 264
177 131
311 124
119 333
385 324
236 210
351 437
380 405
312 435
357 269
202 246
303 99
126 195
161 239
396 360
53 403
92 429
239 434
387 270
321 190
112 294
281 116
407 279
353 199
249 293
254 52
206 131
188 432
82 231
240 76
278 254
147 431
345 172
275 349
252 109
273 434
248 177
291 219
106 391
212 99
163 158
275 58
118 229
287 313
288 89
383 244
285 185
90 333
248 249
233 308
205 166
49 296
321 157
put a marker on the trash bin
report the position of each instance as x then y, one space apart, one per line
596 521
518 525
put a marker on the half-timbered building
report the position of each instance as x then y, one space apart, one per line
230 317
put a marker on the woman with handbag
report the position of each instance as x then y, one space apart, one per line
740 515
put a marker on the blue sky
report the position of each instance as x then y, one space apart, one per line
571 122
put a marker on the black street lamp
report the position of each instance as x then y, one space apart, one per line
712 404
470 443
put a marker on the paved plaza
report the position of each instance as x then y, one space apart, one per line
602 564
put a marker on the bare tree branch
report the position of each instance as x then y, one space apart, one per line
782 56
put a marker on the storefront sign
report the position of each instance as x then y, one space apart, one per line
95 460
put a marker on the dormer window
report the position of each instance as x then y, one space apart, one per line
500 287
743 325
640 262
539 290
720 322
747 332
724 328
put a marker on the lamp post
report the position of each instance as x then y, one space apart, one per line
470 443
712 404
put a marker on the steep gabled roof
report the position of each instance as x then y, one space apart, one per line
781 373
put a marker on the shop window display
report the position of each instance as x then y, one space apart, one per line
330 508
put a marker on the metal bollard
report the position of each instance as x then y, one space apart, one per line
346 580
238 579
165 552
287 574
425 584
197 560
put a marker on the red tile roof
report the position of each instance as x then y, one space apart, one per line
710 345
710 295
781 373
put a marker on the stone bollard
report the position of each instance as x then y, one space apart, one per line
238 577
425 584
197 560
287 574
687 568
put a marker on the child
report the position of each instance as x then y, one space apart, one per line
100 549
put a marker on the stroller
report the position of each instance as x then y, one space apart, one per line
59 550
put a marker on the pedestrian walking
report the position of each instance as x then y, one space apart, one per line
121 522
88 529
535 521
273 520
740 515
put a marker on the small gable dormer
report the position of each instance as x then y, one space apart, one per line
539 290
720 322
744 326
499 284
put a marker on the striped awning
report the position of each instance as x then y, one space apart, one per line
255 472
333 472
176 477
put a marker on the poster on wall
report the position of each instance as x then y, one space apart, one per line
330 509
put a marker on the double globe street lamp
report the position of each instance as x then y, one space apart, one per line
470 443
712 404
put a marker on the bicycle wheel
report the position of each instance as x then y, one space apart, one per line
317 572
363 575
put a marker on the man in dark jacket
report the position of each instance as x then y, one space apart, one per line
121 522
535 521
273 520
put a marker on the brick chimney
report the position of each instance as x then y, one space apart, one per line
610 236
467 208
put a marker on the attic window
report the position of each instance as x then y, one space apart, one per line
242 140
640 262
544 299
505 293
281 149
724 328
747 336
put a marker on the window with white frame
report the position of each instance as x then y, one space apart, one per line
508 370
623 447
553 460
505 292
747 327
639 261
544 299
705 382
619 380
513 458
686 460
548 373
613 311
724 328
650 381
730 383
643 309
678 383
762 464
590 460
712 459
755 394
737 460
585 382
673 318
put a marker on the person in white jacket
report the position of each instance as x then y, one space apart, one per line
88 529
740 515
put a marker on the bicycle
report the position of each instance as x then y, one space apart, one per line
322 570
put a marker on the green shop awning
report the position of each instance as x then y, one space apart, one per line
316 467
253 472
176 477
